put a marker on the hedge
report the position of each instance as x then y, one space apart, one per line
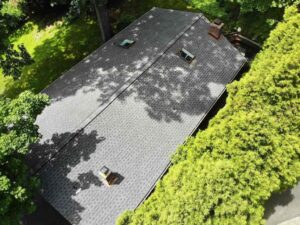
251 149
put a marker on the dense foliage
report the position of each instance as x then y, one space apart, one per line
15 57
12 59
250 150
10 17
255 18
54 50
245 6
262 6
17 132
129 10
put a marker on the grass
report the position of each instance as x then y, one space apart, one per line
55 47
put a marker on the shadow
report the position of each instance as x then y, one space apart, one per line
118 178
41 21
46 19
255 25
168 97
85 180
48 157
137 8
25 29
172 88
44 214
277 199
44 151
59 52
150 73
169 90
221 102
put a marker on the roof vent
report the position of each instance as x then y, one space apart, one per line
104 172
126 43
186 55
76 187
107 176
215 28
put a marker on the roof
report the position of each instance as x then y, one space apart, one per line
128 109
283 208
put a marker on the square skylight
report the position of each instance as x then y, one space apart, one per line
126 43
186 55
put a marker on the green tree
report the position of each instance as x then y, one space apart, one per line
225 174
79 7
17 133
255 18
11 60
261 6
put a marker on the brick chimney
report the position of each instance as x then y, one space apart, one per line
215 28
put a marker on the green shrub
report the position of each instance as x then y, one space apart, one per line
250 150
11 17
125 218
12 8
17 132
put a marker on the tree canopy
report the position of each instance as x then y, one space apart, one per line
250 150
245 5
17 133
12 59
262 6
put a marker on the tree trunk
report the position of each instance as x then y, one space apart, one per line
103 19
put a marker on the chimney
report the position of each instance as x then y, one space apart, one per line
215 28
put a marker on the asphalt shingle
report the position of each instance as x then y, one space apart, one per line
136 106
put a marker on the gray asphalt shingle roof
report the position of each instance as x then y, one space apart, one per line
135 106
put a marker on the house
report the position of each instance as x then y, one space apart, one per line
127 106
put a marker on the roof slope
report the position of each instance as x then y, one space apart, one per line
91 85
136 106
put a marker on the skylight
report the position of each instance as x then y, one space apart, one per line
186 55
126 43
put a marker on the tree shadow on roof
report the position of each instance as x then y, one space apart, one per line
48 159
169 86
169 93
44 214
113 65
84 182
173 87
42 152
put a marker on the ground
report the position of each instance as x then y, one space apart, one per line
55 47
